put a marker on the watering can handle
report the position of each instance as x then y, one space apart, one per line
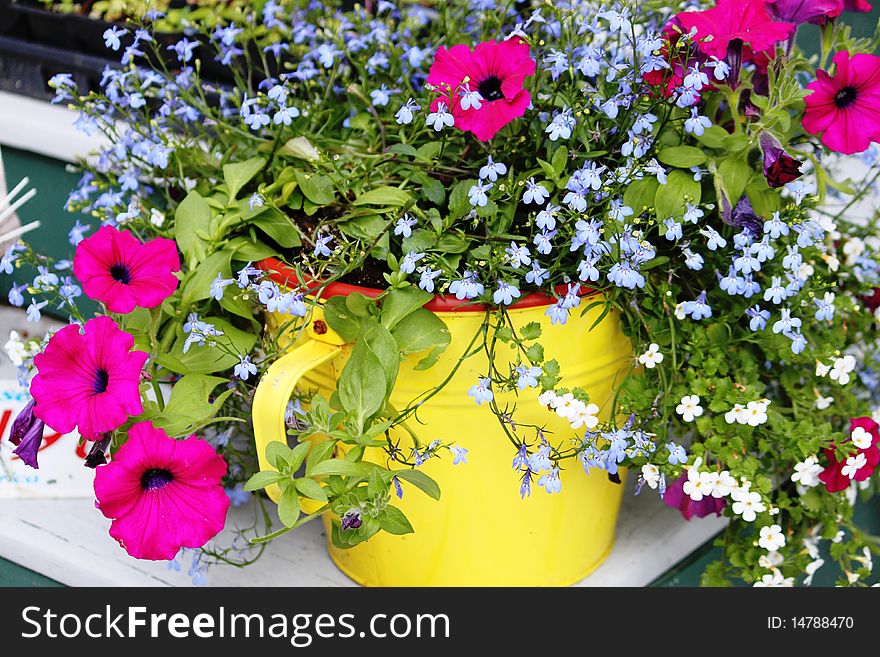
274 392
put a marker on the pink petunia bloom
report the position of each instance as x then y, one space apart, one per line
846 108
162 494
123 273
494 70
677 499
88 380
833 476
744 20
862 6
803 11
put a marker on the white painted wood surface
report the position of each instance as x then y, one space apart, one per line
67 540
37 126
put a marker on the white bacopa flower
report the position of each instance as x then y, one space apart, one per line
689 408
16 349
866 560
747 504
736 414
771 538
852 249
697 486
547 397
823 402
811 569
651 357
770 560
756 412
775 579
651 475
841 369
725 484
584 415
861 438
853 465
679 311
822 369
564 405
157 218
806 473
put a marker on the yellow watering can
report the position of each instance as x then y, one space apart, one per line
480 532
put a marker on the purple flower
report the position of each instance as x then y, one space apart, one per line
741 216
779 167
802 11
27 435
676 498
351 519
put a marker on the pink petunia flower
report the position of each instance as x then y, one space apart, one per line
123 273
731 20
803 11
846 108
862 6
834 477
88 380
162 494
496 71
677 499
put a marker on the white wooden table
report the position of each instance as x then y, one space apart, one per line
67 540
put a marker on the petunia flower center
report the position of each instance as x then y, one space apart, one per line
845 97
156 478
121 274
102 381
490 88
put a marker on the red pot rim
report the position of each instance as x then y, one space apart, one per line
283 275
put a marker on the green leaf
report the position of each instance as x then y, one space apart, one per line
640 194
682 156
263 479
420 240
459 205
384 347
192 219
559 160
401 302
288 506
359 305
449 243
420 331
430 360
197 284
680 187
240 174
433 189
734 174
249 250
362 386
317 188
385 196
403 149
395 522
341 319
531 331
311 489
278 226
298 455
713 136
206 359
190 404
421 481
340 467
320 452
548 169
366 227
278 454
299 147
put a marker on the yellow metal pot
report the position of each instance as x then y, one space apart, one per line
480 533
